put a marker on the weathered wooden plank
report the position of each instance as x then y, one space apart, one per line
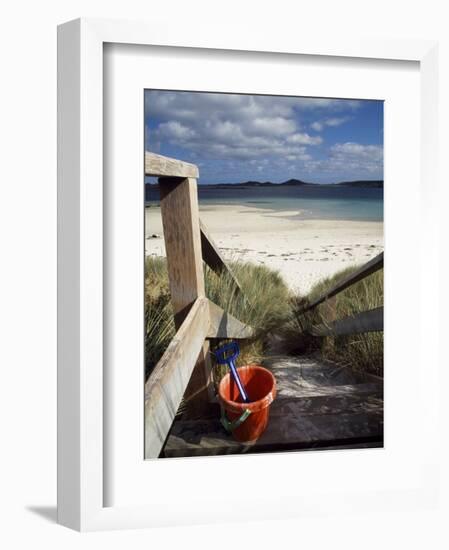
160 166
367 321
200 389
180 219
318 405
353 403
213 258
367 269
224 325
288 431
363 401
166 385
322 380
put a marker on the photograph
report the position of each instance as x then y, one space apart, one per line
264 273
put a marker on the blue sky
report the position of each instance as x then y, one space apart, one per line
234 138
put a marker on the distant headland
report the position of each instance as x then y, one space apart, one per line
365 184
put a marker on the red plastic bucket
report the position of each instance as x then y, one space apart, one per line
247 421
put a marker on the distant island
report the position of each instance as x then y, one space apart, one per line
374 184
365 184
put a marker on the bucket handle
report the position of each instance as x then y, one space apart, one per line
231 426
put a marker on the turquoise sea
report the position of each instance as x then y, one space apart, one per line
313 201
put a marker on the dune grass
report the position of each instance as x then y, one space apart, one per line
263 306
361 352
270 308
159 325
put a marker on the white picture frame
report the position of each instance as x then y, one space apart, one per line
82 393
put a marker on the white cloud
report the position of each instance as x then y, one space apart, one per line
364 160
257 132
304 139
275 126
189 105
175 130
333 121
357 151
221 126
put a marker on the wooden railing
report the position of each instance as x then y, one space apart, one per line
213 257
185 368
371 320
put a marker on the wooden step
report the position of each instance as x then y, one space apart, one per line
319 372
300 388
319 405
306 376
354 402
295 424
322 405
282 434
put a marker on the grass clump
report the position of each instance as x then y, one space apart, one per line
361 352
267 305
159 325
263 305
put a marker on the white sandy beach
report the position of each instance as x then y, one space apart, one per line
304 251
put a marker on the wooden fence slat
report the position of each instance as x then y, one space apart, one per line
180 219
158 165
370 267
371 320
213 258
166 385
179 210
224 325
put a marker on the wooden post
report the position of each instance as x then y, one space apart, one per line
180 220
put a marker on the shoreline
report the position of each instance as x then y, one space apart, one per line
304 251
303 214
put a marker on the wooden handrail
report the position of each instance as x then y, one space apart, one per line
370 267
213 258
196 319
160 166
371 320
167 383
224 325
